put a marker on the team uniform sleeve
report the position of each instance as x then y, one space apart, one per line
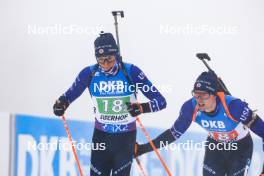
245 115
157 101
78 86
179 127
184 120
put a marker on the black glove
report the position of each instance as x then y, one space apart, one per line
60 106
136 109
140 149
166 138
262 174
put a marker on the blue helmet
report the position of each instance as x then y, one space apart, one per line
105 45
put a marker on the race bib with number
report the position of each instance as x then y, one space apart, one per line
113 110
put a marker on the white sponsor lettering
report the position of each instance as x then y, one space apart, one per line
212 124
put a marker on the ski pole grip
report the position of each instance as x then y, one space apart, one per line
121 13
203 56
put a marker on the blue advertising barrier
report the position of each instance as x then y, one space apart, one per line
33 156
42 149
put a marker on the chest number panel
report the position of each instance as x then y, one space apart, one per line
112 105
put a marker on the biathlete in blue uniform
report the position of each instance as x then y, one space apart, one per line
113 86
227 120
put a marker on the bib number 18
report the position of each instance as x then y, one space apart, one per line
112 105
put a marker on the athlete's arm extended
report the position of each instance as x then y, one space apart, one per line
157 101
170 135
78 87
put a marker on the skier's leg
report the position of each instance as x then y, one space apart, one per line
124 154
123 162
214 161
241 158
101 159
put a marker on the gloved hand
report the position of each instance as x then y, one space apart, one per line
60 106
166 137
136 109
140 149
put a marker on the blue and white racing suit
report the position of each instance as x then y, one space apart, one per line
228 127
223 129
114 126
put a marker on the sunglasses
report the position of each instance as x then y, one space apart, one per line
103 59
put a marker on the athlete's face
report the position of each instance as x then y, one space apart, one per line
205 101
106 62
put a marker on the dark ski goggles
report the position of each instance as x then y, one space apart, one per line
201 95
103 59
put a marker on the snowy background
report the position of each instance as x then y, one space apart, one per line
39 61
44 45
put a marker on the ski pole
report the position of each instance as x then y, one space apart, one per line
72 145
153 146
138 162
140 167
